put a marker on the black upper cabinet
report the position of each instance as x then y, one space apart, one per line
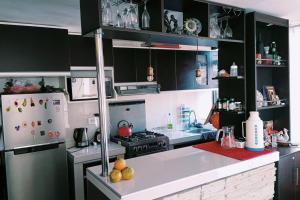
185 70
166 71
83 51
33 49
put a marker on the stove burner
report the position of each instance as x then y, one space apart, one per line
142 143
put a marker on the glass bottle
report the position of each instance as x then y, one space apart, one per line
170 121
274 52
145 17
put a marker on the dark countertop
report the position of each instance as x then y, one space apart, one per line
285 151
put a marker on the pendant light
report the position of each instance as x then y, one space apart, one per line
198 72
150 71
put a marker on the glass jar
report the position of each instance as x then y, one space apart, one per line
225 104
231 104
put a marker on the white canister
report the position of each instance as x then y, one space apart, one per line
254 132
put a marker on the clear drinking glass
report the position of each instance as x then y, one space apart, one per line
132 15
107 14
119 19
145 17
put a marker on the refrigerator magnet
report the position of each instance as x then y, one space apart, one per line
16 103
32 132
24 103
8 109
24 124
32 104
57 134
39 123
33 124
50 134
41 101
49 121
17 128
42 133
20 109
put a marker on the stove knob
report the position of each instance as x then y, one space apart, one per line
135 149
145 147
140 148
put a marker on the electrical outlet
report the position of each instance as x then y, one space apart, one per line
92 121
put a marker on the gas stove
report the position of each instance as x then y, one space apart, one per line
142 143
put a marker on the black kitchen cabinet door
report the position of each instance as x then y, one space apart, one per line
83 51
286 178
166 71
124 65
33 49
185 70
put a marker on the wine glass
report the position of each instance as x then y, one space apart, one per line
227 30
119 19
107 14
126 20
145 17
132 15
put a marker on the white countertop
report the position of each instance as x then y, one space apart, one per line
177 136
89 153
169 172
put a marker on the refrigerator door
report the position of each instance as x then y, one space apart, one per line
37 173
31 119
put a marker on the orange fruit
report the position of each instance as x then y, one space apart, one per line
128 173
115 176
120 164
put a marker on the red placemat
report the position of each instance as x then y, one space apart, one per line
236 153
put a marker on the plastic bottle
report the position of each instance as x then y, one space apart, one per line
170 121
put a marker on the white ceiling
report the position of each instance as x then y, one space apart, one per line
60 13
288 9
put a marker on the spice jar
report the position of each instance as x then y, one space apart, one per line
231 104
225 104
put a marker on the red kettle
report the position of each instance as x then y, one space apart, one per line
124 128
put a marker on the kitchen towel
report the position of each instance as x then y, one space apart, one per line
235 153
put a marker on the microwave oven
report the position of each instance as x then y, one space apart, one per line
85 88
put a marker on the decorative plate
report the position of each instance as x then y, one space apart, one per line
192 26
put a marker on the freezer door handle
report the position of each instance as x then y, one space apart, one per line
35 148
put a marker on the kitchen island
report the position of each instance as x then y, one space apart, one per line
189 173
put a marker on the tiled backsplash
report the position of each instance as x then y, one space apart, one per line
157 108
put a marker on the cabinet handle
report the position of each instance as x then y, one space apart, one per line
297 176
293 158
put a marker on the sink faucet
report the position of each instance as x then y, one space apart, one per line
195 119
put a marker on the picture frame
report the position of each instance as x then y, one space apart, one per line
271 95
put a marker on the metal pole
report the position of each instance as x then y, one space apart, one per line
102 102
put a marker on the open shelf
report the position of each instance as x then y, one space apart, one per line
233 112
230 40
229 78
272 66
271 107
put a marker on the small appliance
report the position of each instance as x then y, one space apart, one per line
124 128
81 137
254 132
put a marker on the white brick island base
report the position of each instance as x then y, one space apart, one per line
256 184
187 174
